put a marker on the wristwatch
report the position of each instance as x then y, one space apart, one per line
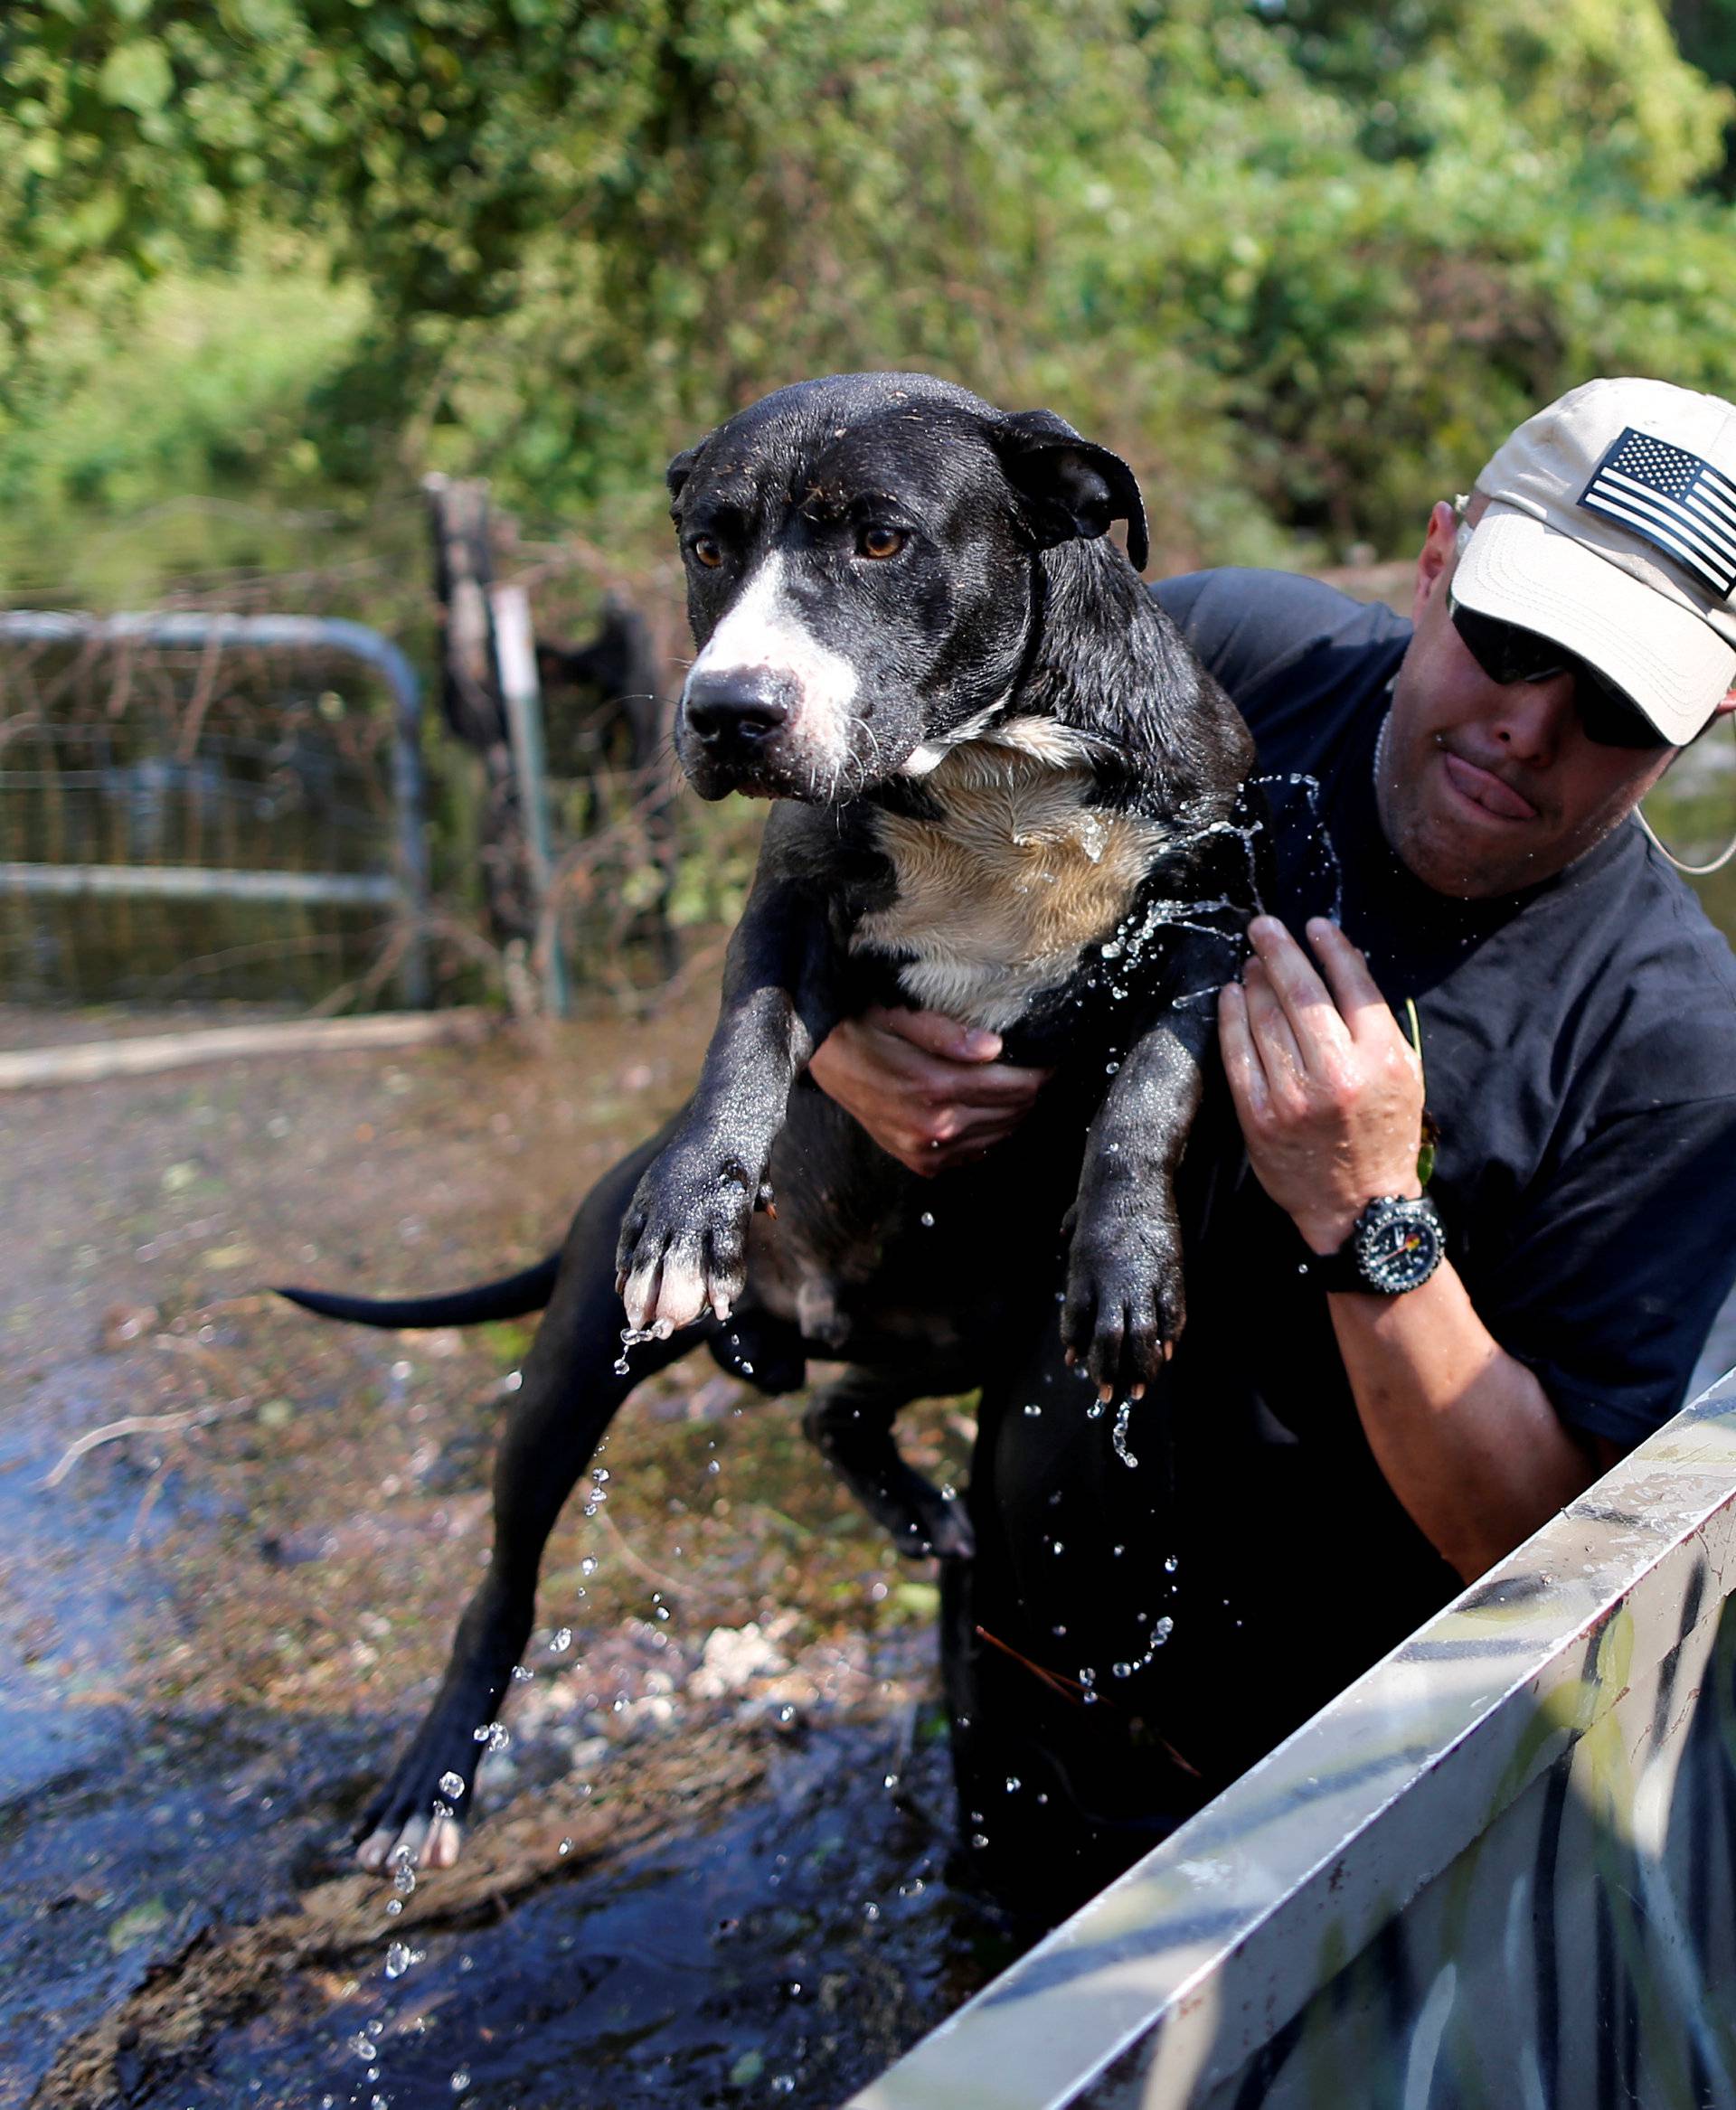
1394 1245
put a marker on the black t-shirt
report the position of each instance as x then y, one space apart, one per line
1579 1043
1579 1040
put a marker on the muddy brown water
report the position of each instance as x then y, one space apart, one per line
232 1545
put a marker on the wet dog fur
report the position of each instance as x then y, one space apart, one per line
1003 788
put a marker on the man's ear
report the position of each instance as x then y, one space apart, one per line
1071 487
1435 558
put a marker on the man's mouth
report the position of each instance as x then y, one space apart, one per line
1483 789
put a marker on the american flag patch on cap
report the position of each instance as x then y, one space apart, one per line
1673 499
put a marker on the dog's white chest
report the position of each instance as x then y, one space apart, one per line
1001 891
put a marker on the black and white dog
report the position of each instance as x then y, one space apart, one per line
1006 791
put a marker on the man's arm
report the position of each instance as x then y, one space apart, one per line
1329 1095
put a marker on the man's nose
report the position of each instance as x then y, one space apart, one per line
1532 718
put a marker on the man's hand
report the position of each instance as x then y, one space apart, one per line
1330 1097
1328 1089
929 1090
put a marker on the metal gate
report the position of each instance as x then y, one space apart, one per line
183 792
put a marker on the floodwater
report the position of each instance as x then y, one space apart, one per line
233 1541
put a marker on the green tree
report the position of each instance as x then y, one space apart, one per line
1302 263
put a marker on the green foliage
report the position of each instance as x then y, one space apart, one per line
1705 30
208 389
1303 262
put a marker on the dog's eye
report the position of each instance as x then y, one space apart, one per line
882 542
705 547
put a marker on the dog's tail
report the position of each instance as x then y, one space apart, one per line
510 1298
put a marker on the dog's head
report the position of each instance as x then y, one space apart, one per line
861 574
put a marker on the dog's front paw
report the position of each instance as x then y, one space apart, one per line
1124 1308
683 1244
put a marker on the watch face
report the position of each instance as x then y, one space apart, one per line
1399 1247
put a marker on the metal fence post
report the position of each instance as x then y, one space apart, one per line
515 655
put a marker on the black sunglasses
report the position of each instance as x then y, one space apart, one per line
1506 653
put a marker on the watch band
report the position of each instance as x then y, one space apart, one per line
1337 1270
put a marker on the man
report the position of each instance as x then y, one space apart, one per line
1377 1395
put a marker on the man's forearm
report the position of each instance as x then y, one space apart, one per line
1329 1095
1463 1432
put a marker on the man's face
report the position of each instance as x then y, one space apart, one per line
1487 787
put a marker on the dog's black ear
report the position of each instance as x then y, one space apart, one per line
1072 487
680 468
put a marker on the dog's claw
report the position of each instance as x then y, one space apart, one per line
372 1851
441 1848
430 1842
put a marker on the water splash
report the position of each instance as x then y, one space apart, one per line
634 1337
1318 840
1123 1415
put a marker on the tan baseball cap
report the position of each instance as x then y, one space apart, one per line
1611 529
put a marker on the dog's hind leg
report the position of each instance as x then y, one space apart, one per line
851 1424
570 1390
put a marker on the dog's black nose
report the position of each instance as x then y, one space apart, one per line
739 706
